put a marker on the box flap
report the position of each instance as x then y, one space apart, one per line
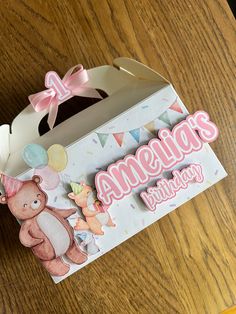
139 70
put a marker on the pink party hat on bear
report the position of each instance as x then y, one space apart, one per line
11 185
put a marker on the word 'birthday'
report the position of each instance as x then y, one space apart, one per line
158 155
167 189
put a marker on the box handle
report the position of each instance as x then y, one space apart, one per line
24 128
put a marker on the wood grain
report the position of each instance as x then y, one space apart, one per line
186 262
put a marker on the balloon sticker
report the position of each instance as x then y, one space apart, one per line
57 157
50 178
46 164
35 156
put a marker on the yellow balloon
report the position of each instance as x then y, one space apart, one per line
57 157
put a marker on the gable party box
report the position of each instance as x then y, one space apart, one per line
107 172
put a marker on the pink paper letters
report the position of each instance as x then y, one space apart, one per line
160 154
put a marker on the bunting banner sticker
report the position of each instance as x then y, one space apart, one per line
150 126
136 134
165 118
176 107
119 137
103 138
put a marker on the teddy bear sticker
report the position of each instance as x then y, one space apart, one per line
96 214
43 229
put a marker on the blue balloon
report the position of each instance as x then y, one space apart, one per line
35 156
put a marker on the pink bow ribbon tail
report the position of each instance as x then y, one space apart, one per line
46 100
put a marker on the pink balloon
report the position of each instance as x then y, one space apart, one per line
50 178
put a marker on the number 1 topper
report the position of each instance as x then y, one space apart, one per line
59 90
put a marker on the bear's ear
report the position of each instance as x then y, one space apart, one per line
3 199
37 179
71 195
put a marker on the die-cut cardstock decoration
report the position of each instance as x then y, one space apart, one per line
151 160
166 189
87 241
43 229
96 215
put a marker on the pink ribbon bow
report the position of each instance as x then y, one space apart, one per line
73 83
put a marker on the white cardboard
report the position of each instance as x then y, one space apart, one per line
87 156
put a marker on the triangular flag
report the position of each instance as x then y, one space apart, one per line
102 138
151 127
119 137
176 107
164 118
136 134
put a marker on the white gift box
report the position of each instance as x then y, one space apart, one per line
139 103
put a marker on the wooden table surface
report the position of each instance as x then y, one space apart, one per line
186 262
